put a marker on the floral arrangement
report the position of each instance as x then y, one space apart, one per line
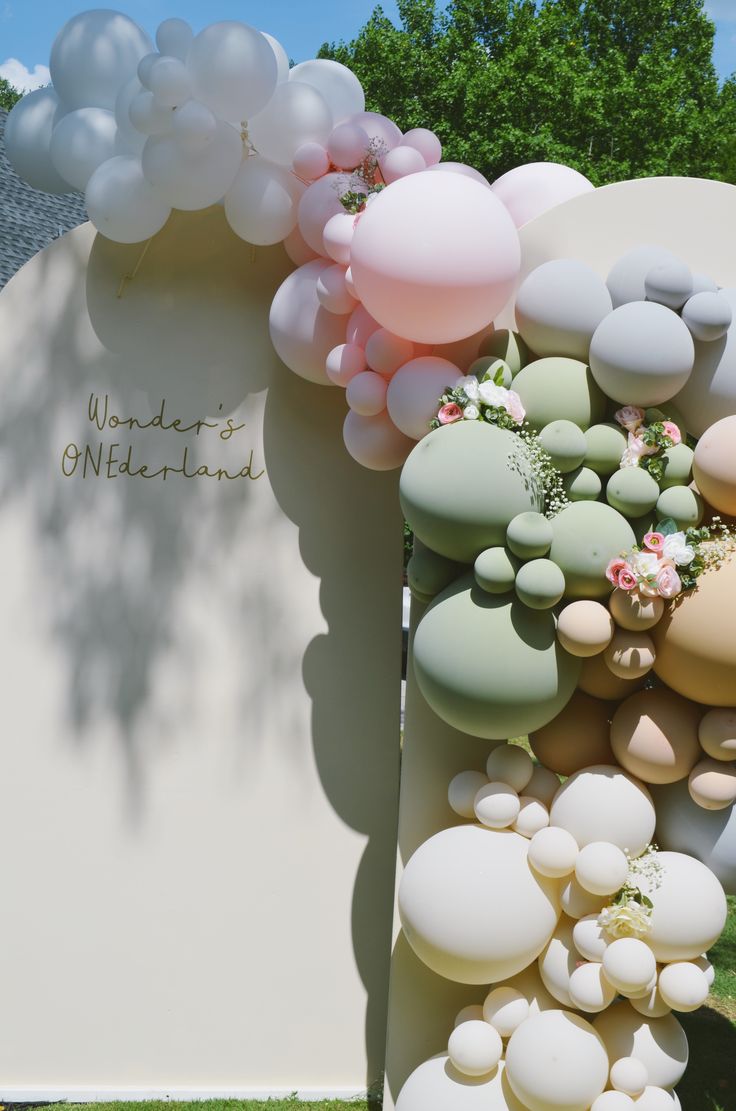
356 189
650 434
630 912
671 560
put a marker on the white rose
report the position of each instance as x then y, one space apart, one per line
471 412
644 563
493 394
677 549
470 386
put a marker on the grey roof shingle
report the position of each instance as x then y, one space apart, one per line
29 219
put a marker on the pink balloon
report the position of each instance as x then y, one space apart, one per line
344 362
463 170
366 393
400 162
347 145
414 392
380 129
386 352
426 142
311 161
361 327
302 331
435 257
338 235
350 285
320 201
530 190
375 442
332 292
463 352
297 248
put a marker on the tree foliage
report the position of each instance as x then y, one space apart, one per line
615 88
8 95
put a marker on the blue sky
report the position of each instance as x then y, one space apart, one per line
27 27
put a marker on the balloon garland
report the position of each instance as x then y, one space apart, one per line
570 485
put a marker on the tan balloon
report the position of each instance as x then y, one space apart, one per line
584 628
654 735
630 655
714 465
597 679
717 734
712 784
577 738
632 611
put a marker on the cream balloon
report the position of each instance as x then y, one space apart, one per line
121 203
657 1099
233 70
553 852
296 114
659 1043
602 803
506 1008
601 868
576 902
462 791
511 764
543 785
558 962
584 628
436 1085
629 964
590 939
590 990
261 204
689 908
612 1101
533 816
556 1060
629 1075
497 805
472 1013
683 986
474 1048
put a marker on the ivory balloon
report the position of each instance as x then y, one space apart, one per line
121 204
553 852
193 179
629 1075
261 205
233 69
473 1011
531 189
497 805
302 331
93 54
683 986
659 1043
657 1099
436 1086
712 784
28 130
505 1008
532 816
556 1060
601 868
612 1101
511 764
689 908
338 85
462 792
590 939
474 1048
576 902
375 442
296 114
589 989
629 964
558 961
604 804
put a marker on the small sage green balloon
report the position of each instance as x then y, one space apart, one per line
679 467
490 666
582 484
682 504
587 536
604 446
489 364
540 584
565 443
508 346
495 570
463 483
632 491
529 535
428 573
559 389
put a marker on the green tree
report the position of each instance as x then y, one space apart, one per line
615 88
8 95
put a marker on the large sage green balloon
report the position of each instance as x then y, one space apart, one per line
605 444
508 346
559 389
488 665
463 483
587 535
632 491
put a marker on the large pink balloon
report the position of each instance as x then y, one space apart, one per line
319 202
435 257
302 331
530 190
375 442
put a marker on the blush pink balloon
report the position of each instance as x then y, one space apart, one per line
347 145
426 142
349 284
462 169
379 129
338 235
435 257
332 292
344 362
375 442
366 393
414 392
311 161
530 190
400 162
386 352
361 327
297 248
319 203
302 331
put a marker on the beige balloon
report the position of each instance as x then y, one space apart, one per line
712 784
631 610
584 628
717 734
714 465
577 738
597 680
654 735
630 655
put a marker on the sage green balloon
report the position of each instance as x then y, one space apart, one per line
587 535
463 483
679 468
682 504
605 444
559 389
632 491
529 535
495 570
428 573
582 484
481 367
508 346
490 666
565 443
540 584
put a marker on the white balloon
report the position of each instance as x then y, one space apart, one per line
553 852
194 126
474 1011
683 986
82 141
577 902
657 1099
630 1076
436 1085
145 66
590 990
474 1048
706 967
193 179
93 54
506 1008
296 114
497 805
651 1004
233 70
28 130
282 58
556 1060
261 204
148 117
462 791
590 938
169 82
558 962
121 204
629 964
659 1043
533 815
602 803
612 1101
338 85
601 868
128 140
174 37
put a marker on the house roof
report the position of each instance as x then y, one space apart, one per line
29 219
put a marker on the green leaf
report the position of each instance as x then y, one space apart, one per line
667 526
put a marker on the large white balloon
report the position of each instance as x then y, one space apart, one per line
82 141
556 1061
339 86
437 1085
28 130
602 803
233 68
296 114
193 179
659 1043
261 204
121 203
689 908
93 55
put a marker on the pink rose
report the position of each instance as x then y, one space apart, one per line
630 417
448 414
514 408
626 580
635 449
614 569
668 582
672 431
654 541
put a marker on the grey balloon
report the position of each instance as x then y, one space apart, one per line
708 316
708 835
703 283
669 284
710 392
559 306
641 354
626 280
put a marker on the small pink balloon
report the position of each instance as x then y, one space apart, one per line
530 190
386 352
350 284
332 292
311 161
366 393
361 327
319 202
381 131
344 362
463 352
338 235
375 442
461 169
298 249
414 392
400 162
302 331
347 145
426 142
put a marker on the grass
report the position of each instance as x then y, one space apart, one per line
289 1104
